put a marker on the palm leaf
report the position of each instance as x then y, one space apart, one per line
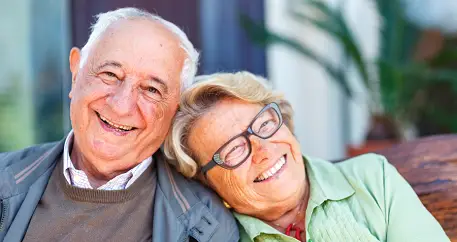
260 35
332 22
445 57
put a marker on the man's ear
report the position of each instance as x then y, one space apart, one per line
75 58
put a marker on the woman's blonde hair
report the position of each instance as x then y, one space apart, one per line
202 96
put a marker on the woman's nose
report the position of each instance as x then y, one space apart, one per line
262 149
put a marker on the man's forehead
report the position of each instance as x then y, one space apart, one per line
143 25
138 34
140 45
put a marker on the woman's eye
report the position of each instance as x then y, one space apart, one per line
234 154
266 126
234 149
265 123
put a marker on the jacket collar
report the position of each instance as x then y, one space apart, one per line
30 164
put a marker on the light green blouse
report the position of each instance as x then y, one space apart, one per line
361 199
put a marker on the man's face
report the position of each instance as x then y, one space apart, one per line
124 97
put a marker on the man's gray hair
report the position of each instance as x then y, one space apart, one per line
104 20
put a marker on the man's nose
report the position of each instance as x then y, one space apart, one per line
262 149
123 100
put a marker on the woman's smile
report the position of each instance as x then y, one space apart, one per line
274 171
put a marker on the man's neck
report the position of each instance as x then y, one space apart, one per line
95 177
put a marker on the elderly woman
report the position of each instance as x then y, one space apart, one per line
235 134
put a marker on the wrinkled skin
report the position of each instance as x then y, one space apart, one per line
131 78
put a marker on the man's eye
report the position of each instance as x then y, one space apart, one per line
152 90
110 74
152 93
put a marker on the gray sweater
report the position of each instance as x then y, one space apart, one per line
183 209
76 214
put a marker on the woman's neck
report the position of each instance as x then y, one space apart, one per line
294 216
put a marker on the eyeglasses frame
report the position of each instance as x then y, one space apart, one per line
216 160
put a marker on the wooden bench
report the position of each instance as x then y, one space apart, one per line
430 166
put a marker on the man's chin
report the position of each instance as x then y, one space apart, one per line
108 151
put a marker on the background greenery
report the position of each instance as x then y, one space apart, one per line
410 92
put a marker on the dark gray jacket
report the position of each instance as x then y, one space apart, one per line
183 209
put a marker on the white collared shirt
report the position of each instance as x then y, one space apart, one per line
79 179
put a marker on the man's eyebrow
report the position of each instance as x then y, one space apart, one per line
109 63
160 82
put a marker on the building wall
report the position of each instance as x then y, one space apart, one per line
326 120
228 48
50 48
16 111
33 67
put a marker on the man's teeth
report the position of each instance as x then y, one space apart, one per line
122 127
273 170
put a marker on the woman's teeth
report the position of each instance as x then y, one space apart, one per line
117 126
272 171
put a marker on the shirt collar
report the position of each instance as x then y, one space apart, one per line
68 164
327 182
254 226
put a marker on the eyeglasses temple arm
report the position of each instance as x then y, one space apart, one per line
207 167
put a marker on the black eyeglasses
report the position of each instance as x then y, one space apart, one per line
235 151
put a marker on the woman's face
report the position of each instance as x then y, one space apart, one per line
255 188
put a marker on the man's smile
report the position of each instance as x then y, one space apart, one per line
106 123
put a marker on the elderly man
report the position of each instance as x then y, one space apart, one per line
107 180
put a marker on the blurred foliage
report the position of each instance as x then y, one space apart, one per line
14 126
5 108
423 93
48 103
29 119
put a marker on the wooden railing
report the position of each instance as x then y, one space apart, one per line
430 166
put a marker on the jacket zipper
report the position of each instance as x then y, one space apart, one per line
3 208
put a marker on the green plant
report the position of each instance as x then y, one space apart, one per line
14 126
404 85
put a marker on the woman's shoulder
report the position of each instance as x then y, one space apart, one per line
361 171
367 173
366 164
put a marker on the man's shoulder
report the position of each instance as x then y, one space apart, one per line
7 158
182 188
196 206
